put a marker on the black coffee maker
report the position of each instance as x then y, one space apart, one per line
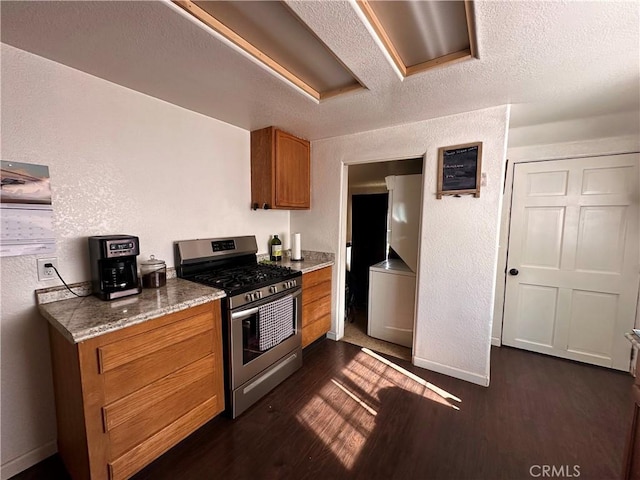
114 270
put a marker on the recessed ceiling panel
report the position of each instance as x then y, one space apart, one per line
271 33
423 31
419 35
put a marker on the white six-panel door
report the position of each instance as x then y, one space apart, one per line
574 243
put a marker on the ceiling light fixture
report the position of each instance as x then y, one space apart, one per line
273 68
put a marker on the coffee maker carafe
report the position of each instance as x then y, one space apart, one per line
114 269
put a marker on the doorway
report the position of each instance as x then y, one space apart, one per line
572 282
368 242
367 235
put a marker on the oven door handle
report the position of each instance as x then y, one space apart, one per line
252 311
244 313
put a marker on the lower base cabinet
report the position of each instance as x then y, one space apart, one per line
316 304
126 397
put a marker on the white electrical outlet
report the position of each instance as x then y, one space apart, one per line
47 273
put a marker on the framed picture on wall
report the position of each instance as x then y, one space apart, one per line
459 170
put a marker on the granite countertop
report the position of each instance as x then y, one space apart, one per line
80 319
312 261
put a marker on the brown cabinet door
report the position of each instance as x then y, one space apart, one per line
292 171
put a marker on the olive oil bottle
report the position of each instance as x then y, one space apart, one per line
276 249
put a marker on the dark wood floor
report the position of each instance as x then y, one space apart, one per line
348 415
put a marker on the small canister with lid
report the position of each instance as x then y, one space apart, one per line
153 273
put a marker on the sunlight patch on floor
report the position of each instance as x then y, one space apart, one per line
348 430
343 413
434 388
355 397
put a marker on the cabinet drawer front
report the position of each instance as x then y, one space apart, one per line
141 455
129 349
316 330
132 376
317 276
313 311
311 294
131 420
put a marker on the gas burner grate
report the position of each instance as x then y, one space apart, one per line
244 276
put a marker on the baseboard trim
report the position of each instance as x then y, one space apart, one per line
29 459
496 341
332 336
452 371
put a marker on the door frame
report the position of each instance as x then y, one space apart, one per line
341 261
542 153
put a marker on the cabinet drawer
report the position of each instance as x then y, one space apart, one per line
315 310
311 294
116 354
128 378
136 417
141 455
315 330
317 276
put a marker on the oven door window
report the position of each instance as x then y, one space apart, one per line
252 347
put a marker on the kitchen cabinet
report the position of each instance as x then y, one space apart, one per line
316 304
280 170
125 397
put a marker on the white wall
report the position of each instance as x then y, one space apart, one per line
120 162
459 239
576 130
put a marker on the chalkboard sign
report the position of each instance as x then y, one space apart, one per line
459 169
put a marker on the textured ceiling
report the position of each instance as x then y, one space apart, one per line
553 60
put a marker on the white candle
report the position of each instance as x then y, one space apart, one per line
295 247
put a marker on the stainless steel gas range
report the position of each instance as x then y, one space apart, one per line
262 331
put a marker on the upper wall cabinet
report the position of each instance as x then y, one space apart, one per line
280 170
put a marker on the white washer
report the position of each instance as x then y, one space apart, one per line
392 295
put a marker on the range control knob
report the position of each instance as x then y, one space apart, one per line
249 297
273 289
258 294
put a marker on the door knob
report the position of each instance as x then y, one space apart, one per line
513 271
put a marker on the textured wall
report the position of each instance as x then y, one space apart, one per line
120 162
578 131
459 239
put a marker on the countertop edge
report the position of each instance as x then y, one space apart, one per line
314 267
